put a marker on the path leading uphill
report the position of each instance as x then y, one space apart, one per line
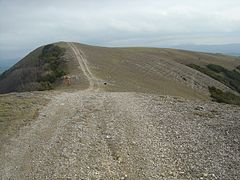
89 135
81 58
116 135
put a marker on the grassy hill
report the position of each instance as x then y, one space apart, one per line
155 70
148 70
39 70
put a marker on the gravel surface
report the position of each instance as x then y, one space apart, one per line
90 135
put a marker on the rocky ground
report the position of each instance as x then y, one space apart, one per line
103 135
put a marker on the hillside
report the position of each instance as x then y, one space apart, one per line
37 71
121 116
147 70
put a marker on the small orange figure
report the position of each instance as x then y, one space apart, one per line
67 80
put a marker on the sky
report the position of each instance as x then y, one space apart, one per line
28 24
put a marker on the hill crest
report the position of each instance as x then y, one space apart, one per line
148 70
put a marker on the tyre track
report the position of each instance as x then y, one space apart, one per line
94 84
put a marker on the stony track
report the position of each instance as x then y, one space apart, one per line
80 56
87 135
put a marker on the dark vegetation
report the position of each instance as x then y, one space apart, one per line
40 70
51 61
238 67
227 77
224 97
230 78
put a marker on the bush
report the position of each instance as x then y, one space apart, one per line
224 97
52 63
225 76
45 86
234 75
51 78
51 51
216 68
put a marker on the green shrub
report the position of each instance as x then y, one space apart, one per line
52 63
49 78
225 76
45 86
52 51
224 97
234 75
216 68
59 73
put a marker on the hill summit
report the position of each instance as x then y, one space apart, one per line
148 70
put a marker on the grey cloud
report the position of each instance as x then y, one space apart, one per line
26 24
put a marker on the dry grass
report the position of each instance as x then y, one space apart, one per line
18 110
154 70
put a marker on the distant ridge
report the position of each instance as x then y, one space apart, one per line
6 63
2 69
228 49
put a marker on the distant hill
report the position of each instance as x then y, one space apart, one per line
148 70
229 49
2 69
6 63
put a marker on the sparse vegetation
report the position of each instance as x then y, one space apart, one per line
227 77
52 64
216 68
39 70
224 97
18 110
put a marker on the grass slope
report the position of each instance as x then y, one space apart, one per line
18 110
39 70
154 70
224 97
230 78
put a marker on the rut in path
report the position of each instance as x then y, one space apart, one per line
81 58
104 135
84 140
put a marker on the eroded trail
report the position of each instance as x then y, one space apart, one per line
81 135
80 56
87 135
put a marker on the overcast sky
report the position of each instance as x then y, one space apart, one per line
27 24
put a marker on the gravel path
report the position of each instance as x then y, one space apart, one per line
94 84
86 135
